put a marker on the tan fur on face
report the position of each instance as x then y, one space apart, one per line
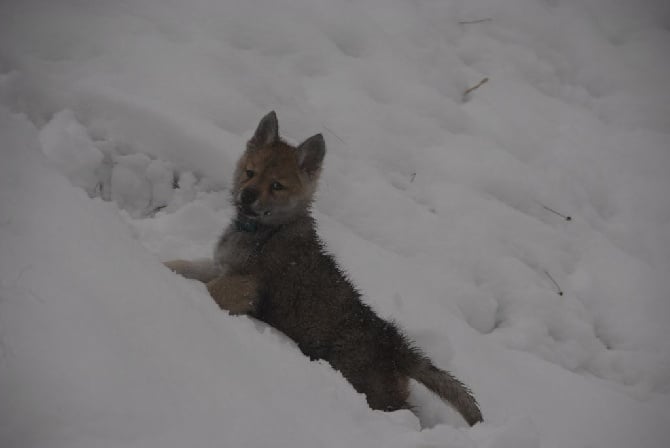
275 163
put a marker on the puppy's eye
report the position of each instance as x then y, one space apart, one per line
276 186
250 174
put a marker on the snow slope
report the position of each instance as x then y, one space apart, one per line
120 123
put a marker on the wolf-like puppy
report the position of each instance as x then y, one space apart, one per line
270 263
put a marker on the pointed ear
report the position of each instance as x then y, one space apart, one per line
266 133
310 154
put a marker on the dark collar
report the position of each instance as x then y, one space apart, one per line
246 225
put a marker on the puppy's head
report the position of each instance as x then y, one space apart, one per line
274 181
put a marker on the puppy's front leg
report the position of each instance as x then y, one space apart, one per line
204 269
236 293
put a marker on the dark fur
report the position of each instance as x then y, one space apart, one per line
298 288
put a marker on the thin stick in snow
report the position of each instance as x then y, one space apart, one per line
334 134
559 290
473 88
470 22
567 218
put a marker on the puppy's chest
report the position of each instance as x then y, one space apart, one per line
236 251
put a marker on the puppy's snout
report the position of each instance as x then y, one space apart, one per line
248 196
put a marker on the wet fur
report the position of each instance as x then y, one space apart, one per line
281 273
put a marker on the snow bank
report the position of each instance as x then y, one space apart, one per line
104 346
445 210
65 141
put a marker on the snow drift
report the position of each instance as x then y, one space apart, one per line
120 123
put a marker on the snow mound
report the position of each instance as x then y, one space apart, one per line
66 142
120 124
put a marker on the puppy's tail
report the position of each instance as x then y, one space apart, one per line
447 387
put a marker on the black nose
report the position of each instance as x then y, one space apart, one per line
248 196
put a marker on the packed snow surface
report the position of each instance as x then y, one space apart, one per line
519 233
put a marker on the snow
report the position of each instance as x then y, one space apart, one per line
120 124
65 141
